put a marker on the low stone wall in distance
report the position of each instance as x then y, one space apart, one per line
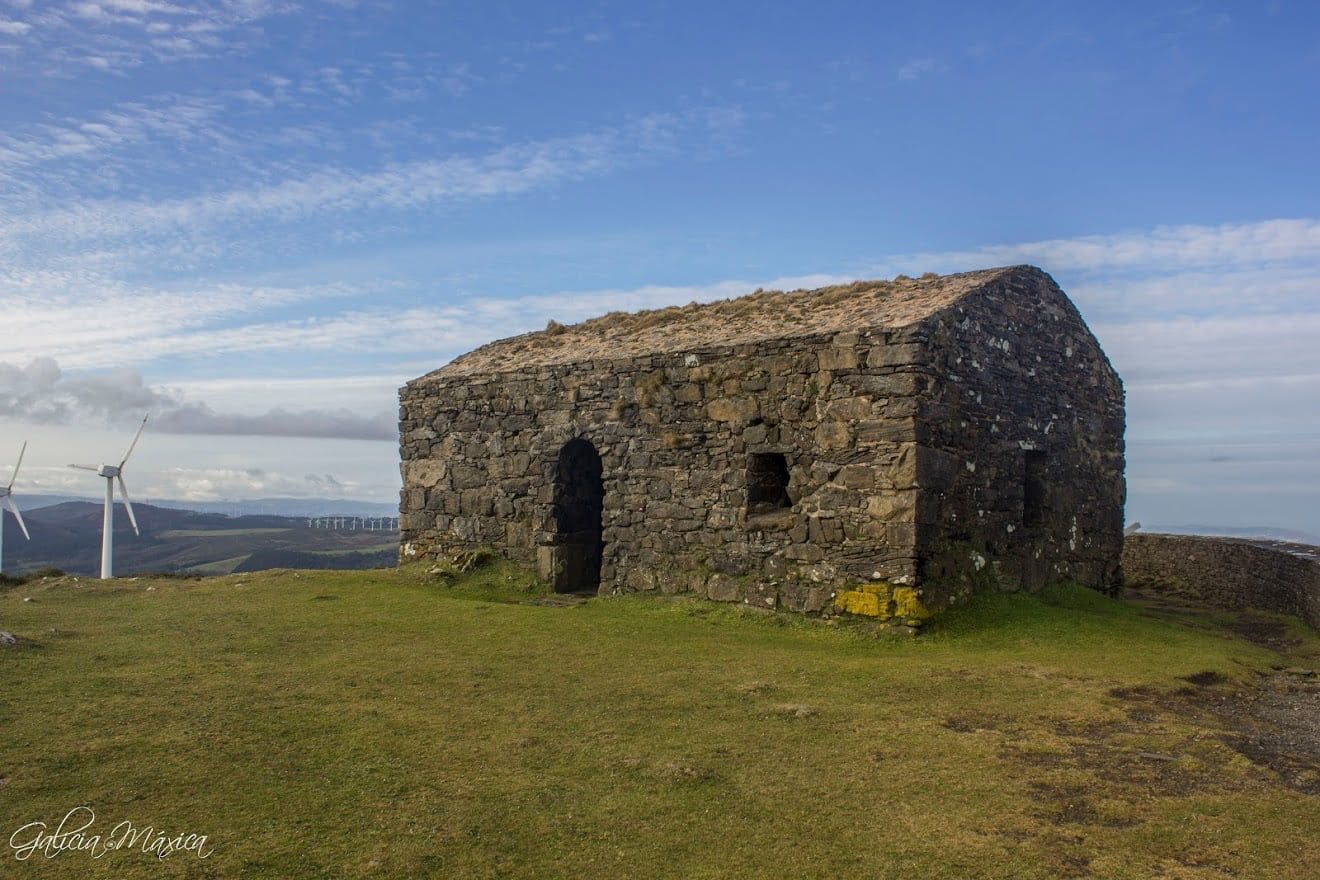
1230 573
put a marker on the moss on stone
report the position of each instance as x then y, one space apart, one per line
908 605
868 600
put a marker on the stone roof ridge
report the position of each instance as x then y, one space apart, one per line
757 316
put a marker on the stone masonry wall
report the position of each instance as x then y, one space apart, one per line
1225 573
1024 444
674 432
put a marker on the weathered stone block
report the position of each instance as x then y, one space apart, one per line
424 473
857 476
722 588
732 409
837 358
895 355
846 408
898 505
833 435
463 476
689 392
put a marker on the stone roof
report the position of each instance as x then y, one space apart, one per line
757 316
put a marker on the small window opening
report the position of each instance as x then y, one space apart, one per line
767 482
1033 489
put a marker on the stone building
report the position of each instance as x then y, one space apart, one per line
880 448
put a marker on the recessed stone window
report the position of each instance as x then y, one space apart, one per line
1033 488
767 483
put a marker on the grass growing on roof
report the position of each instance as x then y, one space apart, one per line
402 724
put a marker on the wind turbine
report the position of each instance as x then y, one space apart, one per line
112 473
7 493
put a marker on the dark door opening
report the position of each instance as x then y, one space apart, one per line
579 501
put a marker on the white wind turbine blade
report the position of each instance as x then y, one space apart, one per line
136 437
85 467
9 499
14 475
128 503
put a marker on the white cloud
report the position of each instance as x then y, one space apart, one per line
220 483
113 35
1224 347
917 68
443 332
1162 249
508 171
362 392
154 474
1268 335
1289 285
179 119
42 393
89 320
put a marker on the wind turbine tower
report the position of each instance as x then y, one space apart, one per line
7 493
112 474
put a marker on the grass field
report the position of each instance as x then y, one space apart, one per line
392 724
218 567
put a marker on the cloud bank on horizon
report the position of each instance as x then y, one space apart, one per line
256 219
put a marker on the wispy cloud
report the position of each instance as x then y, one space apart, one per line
116 35
1163 249
90 320
179 119
331 191
918 67
213 483
41 392
222 483
1141 290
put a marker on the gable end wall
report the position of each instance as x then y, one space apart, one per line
1020 373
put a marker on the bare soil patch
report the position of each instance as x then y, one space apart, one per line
1272 719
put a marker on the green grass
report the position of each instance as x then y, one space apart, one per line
392 724
219 566
392 546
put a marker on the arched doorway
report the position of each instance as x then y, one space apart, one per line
579 501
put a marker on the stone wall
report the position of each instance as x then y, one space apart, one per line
1227 573
1026 440
674 432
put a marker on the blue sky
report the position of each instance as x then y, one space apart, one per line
258 217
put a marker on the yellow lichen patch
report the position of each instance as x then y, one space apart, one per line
869 600
908 604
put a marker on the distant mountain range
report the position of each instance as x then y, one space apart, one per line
68 536
249 507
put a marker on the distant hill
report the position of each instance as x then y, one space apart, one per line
247 507
68 536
